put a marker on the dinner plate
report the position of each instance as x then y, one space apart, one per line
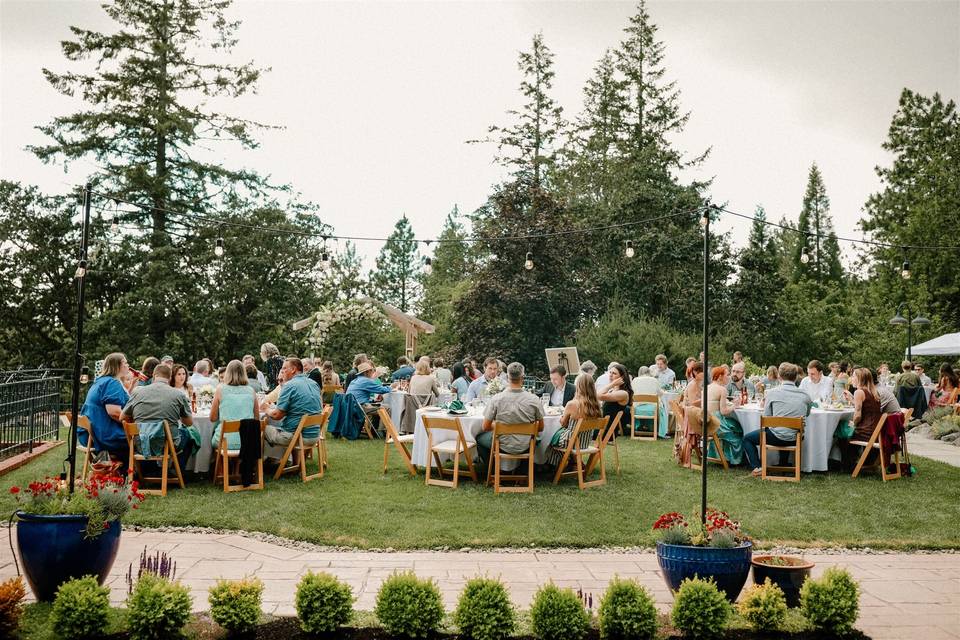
433 408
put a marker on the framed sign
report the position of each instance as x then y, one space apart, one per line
565 357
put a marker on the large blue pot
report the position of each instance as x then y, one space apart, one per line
53 550
729 568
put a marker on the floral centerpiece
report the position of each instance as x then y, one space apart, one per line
63 535
714 546
494 387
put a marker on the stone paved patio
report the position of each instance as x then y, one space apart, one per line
903 595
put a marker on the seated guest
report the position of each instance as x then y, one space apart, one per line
167 360
502 371
730 431
478 386
366 387
788 401
737 357
616 396
560 391
179 380
249 361
772 379
469 370
739 381
159 401
946 392
908 379
357 359
201 376
584 404
662 372
588 368
645 382
146 371
404 370
272 363
888 401
235 399
816 385
461 381
443 375
843 375
313 371
474 370
883 374
866 413
693 394
604 378
327 375
514 405
104 405
834 368
299 397
422 382
924 378
252 377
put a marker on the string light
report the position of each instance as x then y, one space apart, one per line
81 269
427 265
112 216
905 270
528 263
629 250
804 257
218 250
325 259
705 218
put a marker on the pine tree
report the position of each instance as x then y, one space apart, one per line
394 280
452 263
344 278
817 252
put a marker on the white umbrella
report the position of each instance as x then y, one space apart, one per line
946 345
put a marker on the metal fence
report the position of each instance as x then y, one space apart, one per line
30 402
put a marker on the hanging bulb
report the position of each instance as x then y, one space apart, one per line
705 219
218 250
325 259
94 252
629 250
111 217
114 227
905 270
804 257
81 269
528 264
427 265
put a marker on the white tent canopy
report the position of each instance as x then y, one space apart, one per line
946 345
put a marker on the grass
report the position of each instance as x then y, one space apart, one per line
355 505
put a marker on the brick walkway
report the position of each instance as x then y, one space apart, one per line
903 595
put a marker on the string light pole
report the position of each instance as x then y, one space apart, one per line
704 417
81 278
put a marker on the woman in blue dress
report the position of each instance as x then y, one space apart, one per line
460 383
234 399
104 404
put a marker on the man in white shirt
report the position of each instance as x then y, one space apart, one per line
661 372
201 376
816 385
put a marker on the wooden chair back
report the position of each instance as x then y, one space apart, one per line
642 399
224 456
461 447
781 422
574 449
83 422
494 472
132 431
316 449
394 438
876 442
694 422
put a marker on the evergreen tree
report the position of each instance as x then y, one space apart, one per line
344 278
394 280
452 265
817 252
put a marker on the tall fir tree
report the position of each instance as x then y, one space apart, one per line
344 279
452 266
395 278
817 252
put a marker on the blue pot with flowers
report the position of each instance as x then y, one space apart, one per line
716 549
61 536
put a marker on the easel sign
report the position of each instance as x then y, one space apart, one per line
565 357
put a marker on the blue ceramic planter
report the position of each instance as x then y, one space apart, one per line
53 550
729 568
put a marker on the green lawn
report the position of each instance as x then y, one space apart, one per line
355 505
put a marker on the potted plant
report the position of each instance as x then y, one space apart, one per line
62 536
787 572
716 549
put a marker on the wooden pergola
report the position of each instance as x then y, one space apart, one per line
411 326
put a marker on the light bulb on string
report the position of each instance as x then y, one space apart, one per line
629 251
528 263
325 259
705 218
81 269
112 216
427 265
804 257
218 249
905 270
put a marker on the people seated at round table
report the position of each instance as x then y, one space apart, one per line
146 371
253 380
202 376
491 369
157 402
234 399
513 405
179 380
617 395
866 413
584 404
558 390
443 375
104 405
730 431
947 386
461 381
300 396
786 400
645 383
422 382
693 393
771 379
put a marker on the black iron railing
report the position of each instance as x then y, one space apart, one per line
30 401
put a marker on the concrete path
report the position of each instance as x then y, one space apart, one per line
903 595
934 449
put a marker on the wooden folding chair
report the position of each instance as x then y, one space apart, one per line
876 443
695 426
225 456
397 440
676 411
132 431
642 399
494 473
575 448
454 447
609 439
784 423
83 422
304 450
367 423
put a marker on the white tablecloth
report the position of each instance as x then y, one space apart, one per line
818 430
199 461
472 425
394 403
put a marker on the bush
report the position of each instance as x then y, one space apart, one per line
323 603
408 606
157 608
764 606
484 611
699 609
627 611
80 609
831 603
235 604
12 593
558 614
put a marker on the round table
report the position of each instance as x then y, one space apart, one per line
818 430
472 425
199 461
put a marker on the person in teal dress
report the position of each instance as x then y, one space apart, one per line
730 431
233 400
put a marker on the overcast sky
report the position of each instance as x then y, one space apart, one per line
377 99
